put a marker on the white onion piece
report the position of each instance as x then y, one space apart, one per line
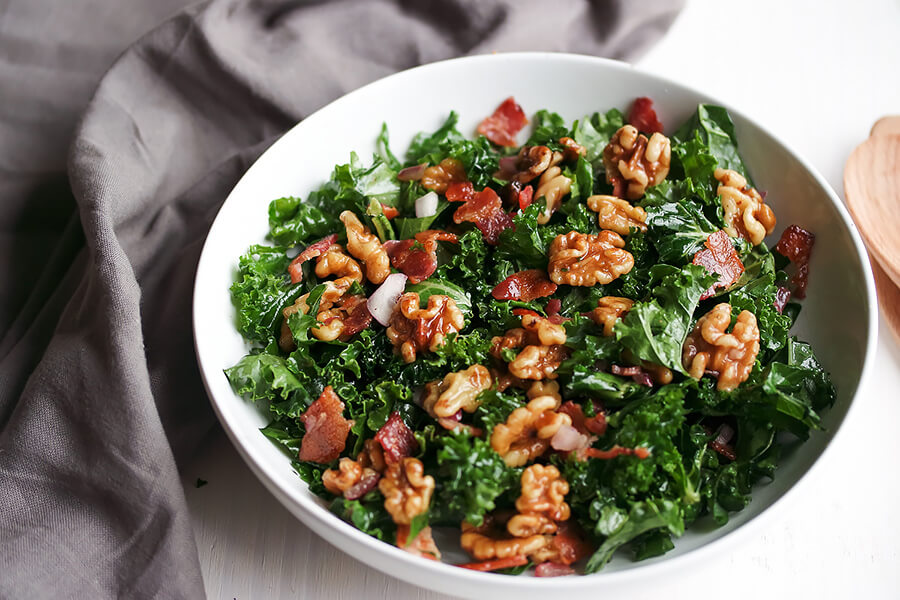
382 301
426 206
568 439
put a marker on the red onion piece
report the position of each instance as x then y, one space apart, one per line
362 487
412 173
568 439
550 569
383 300
426 206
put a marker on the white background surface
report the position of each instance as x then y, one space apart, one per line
818 74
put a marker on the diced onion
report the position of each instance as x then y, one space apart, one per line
568 439
382 301
426 206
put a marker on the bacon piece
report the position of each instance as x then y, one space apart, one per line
594 425
721 443
571 543
295 269
638 374
389 211
326 428
496 565
423 545
643 116
526 197
720 258
365 485
618 184
525 285
358 319
460 192
612 453
417 258
396 439
782 295
521 312
551 569
485 210
502 126
796 245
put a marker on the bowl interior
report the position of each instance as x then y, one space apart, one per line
837 317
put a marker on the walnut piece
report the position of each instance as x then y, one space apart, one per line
527 431
334 262
458 391
617 214
534 160
541 503
731 355
407 490
553 186
334 309
543 348
348 474
639 162
586 260
364 245
372 456
609 310
572 149
746 214
489 541
544 388
440 176
412 329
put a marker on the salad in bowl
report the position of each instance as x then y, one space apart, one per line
551 351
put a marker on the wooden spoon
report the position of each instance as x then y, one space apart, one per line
872 188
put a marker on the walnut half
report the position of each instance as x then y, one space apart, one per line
541 503
458 391
407 490
412 329
709 348
632 158
746 215
617 214
586 260
527 431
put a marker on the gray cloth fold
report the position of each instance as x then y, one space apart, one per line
99 390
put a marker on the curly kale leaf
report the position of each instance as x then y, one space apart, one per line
676 224
368 515
260 290
655 330
595 131
292 221
471 477
549 127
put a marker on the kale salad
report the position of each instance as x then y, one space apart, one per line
552 350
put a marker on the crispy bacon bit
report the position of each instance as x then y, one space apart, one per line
365 485
460 192
423 545
551 569
643 116
638 374
519 312
502 126
796 245
782 295
396 439
295 269
525 285
719 257
571 543
326 428
413 173
417 258
612 453
595 425
358 319
389 211
496 565
485 210
526 197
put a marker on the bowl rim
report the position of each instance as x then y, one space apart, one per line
311 513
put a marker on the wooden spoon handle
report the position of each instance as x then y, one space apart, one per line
886 126
888 298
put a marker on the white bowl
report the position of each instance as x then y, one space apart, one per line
839 316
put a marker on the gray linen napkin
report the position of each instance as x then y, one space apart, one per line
99 390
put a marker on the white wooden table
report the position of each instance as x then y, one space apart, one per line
819 74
